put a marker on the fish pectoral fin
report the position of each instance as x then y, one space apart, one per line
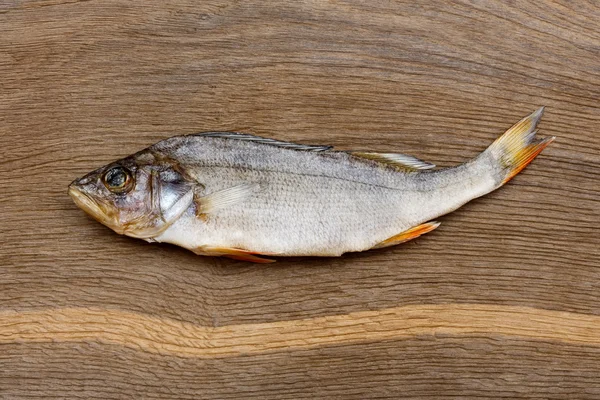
230 252
224 198
410 234
402 161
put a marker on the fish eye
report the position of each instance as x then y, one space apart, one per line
118 180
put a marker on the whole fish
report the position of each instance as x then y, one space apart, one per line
246 197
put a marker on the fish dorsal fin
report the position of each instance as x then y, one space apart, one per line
403 161
225 198
257 139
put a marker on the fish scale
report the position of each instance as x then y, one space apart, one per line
282 215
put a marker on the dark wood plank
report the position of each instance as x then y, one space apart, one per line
438 368
85 82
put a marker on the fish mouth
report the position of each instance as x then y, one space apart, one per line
96 210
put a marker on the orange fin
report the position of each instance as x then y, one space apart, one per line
519 145
410 234
230 252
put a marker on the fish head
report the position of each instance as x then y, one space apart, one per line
135 196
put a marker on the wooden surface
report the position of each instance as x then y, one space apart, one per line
501 301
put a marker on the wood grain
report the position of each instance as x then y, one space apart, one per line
501 301
171 337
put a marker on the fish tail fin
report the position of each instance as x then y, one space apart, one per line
518 146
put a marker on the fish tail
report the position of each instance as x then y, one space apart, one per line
517 147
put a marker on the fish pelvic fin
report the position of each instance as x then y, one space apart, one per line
518 146
410 234
230 252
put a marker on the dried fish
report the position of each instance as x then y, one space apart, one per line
247 197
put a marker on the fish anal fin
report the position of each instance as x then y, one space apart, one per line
401 161
410 234
230 252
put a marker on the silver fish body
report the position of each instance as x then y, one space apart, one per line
241 196
308 203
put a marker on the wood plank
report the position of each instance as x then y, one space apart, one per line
86 82
446 367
